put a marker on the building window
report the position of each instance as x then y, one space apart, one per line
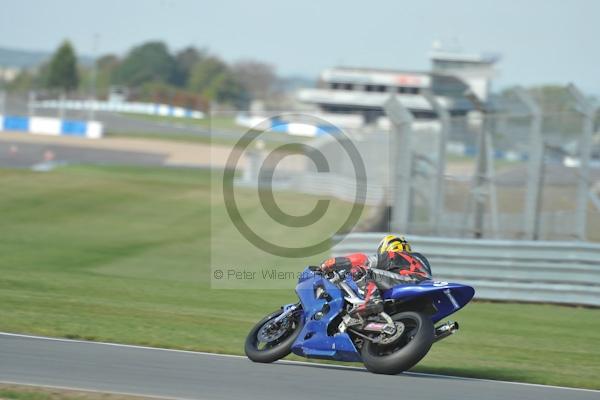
341 86
381 88
409 90
423 114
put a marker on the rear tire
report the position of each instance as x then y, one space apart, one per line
277 349
405 352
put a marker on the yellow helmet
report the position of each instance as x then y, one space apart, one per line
393 243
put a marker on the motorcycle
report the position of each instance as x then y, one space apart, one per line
320 326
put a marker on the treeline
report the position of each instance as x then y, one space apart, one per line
191 77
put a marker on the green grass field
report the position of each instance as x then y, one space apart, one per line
226 122
214 124
23 392
123 254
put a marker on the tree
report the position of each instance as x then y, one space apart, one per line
257 78
106 67
107 62
149 62
185 61
213 79
62 70
23 82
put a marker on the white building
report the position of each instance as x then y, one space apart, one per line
357 94
476 70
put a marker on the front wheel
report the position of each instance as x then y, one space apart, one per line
269 341
415 340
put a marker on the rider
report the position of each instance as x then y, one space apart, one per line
394 263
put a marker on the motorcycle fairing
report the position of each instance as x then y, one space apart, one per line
314 341
446 297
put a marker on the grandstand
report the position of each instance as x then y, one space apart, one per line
356 95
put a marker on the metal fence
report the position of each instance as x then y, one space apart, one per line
539 271
511 172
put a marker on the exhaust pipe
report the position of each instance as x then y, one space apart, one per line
445 330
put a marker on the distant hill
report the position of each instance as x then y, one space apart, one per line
21 58
29 58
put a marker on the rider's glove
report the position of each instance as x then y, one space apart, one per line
327 265
359 271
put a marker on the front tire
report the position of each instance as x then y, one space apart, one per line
262 351
406 351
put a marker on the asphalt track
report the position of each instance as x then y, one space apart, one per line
166 373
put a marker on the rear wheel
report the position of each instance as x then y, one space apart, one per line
269 340
415 340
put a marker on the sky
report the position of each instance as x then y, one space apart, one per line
540 41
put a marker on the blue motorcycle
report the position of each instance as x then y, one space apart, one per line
319 326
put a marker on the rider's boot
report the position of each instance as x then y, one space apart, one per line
373 304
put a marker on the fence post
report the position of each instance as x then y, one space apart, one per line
94 76
535 167
400 162
490 173
438 195
585 148
483 186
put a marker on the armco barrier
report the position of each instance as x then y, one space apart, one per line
164 110
281 126
549 272
51 126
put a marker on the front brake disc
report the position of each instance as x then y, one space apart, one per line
272 331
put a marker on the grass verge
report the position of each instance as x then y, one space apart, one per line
122 255
226 122
23 392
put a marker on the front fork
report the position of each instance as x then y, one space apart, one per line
287 310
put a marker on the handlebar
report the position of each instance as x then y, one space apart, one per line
333 276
